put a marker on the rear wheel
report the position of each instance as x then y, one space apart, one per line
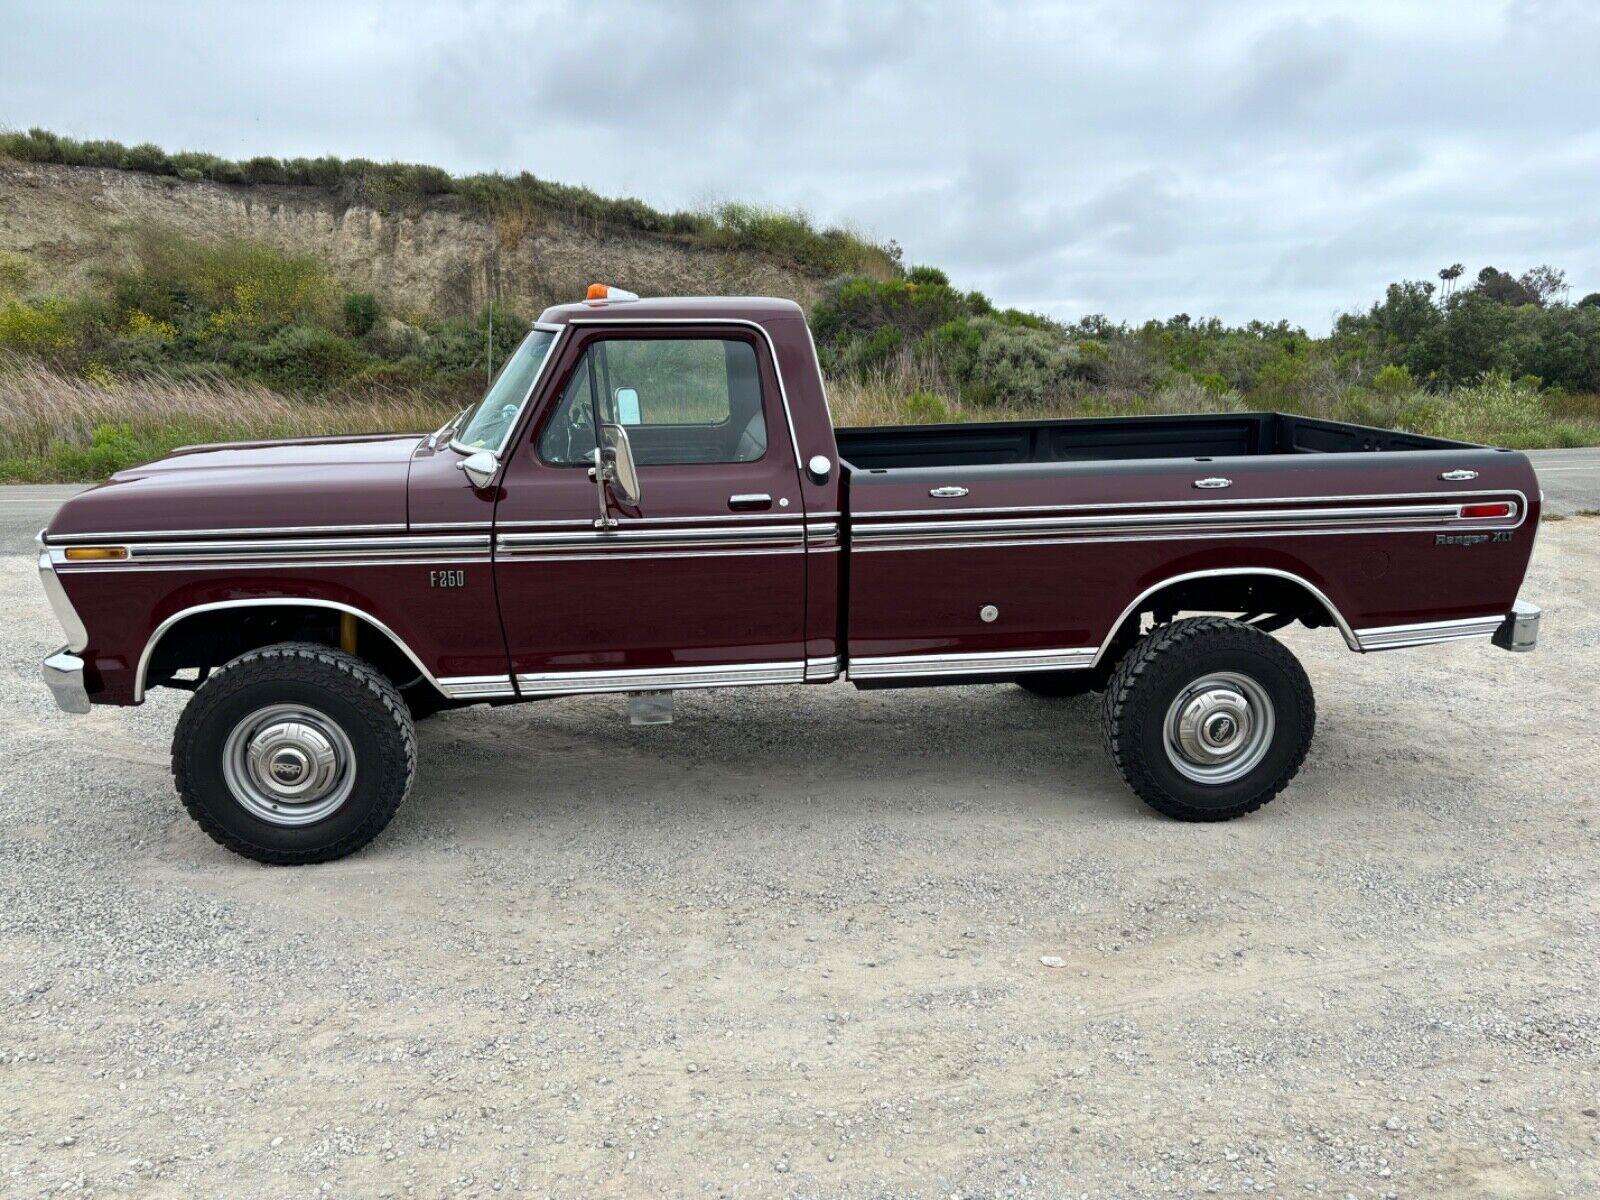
294 753
1208 718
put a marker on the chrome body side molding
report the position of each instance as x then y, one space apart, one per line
822 670
1427 633
648 679
1000 662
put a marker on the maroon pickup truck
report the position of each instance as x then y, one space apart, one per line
652 496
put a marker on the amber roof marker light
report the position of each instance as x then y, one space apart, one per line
604 293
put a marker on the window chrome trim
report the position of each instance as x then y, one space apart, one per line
297 602
558 683
622 319
522 409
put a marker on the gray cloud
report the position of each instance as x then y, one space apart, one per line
1241 159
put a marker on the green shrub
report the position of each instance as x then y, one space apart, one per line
1017 364
302 358
1393 379
39 328
924 408
928 275
361 313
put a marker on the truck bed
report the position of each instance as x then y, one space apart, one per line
1018 545
1223 435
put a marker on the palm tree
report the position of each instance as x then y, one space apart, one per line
1449 276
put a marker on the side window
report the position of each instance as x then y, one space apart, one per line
683 400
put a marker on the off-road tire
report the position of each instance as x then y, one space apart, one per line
363 703
1156 671
1054 685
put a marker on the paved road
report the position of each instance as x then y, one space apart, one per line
25 509
1571 480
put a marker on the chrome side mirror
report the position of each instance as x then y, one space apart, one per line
616 460
479 468
819 466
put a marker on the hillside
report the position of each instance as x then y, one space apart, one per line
433 254
148 299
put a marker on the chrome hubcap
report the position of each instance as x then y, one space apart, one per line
1219 728
289 765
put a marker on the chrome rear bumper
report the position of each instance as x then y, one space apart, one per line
1520 630
63 675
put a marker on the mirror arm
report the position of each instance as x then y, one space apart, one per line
598 473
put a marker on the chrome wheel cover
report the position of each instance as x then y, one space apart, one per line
289 765
1219 728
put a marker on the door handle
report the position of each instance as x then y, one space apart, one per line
750 500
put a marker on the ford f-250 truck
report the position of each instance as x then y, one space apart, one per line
651 495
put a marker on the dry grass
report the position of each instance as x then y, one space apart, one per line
63 427
58 427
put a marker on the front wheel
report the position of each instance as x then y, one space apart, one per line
1208 718
294 753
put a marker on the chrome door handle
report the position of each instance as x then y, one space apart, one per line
948 493
1459 475
1216 481
750 500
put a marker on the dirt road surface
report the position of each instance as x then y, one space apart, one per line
791 946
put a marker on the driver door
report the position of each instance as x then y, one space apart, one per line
702 581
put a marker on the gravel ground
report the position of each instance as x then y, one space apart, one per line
792 946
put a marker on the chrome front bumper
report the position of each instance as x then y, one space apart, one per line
1520 630
63 675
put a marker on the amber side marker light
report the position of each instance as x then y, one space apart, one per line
1480 511
95 553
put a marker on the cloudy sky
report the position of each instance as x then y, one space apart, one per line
1251 159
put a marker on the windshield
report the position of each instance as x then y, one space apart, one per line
488 422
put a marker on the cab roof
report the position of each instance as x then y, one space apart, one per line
680 308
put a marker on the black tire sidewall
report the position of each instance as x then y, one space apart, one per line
372 733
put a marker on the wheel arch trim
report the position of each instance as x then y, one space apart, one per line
1312 589
183 614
